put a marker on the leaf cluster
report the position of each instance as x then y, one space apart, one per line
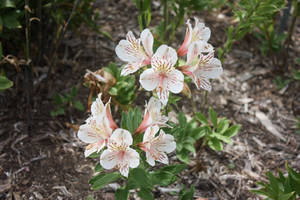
281 187
67 101
213 132
123 91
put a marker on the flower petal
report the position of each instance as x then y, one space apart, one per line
95 147
120 137
188 36
163 94
165 53
124 169
150 159
97 106
175 81
133 157
109 159
149 79
213 69
150 133
192 53
202 82
87 134
200 31
130 68
167 143
147 41
126 52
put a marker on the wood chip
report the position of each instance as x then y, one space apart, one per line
268 125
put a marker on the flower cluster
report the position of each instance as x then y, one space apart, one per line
101 132
165 75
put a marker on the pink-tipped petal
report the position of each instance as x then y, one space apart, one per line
188 36
192 54
165 53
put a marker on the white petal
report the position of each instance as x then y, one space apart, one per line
87 134
201 31
97 106
213 69
174 81
163 94
193 52
205 47
170 143
163 158
124 170
103 127
120 137
202 82
150 159
154 105
133 157
149 79
147 41
95 147
126 52
150 133
131 68
109 159
165 53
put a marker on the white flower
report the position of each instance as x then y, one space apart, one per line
135 54
199 33
156 147
163 76
96 132
118 154
152 116
201 67
98 108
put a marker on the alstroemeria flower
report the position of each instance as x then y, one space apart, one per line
118 154
152 116
135 54
98 108
96 132
163 76
157 147
199 33
201 67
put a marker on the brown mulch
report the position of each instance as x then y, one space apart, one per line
48 162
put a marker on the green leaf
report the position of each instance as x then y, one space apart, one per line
58 111
181 119
163 178
223 124
145 194
131 120
201 118
215 144
122 194
5 83
140 177
232 131
1 50
10 20
183 156
90 197
95 155
74 91
78 105
222 138
190 147
7 4
174 169
113 91
98 168
186 194
213 117
198 133
58 99
101 180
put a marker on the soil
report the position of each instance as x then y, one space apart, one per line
47 162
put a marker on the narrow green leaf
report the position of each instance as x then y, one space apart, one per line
5 83
232 131
122 194
145 194
98 168
223 138
140 177
190 147
7 4
223 124
101 180
201 118
213 117
215 144
163 178
78 105
10 20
